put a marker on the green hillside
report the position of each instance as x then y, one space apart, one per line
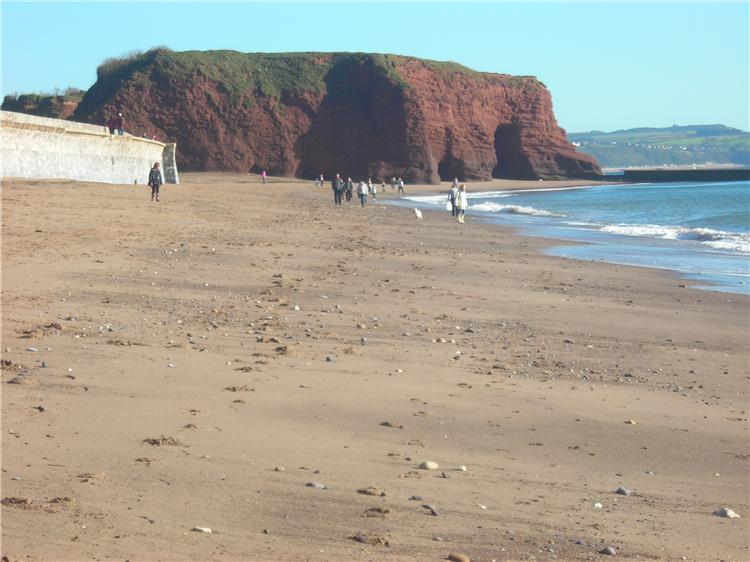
676 145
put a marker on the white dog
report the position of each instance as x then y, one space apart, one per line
418 214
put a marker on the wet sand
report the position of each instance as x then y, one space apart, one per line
209 356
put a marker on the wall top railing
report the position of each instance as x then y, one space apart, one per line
11 119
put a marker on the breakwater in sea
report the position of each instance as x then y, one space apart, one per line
655 175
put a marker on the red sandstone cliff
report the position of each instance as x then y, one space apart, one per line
360 115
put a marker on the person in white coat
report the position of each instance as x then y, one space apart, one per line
461 203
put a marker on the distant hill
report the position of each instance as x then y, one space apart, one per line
676 145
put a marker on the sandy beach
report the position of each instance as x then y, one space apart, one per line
248 358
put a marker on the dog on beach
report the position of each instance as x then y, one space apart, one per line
418 214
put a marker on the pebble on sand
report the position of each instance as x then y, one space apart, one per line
609 551
202 530
728 513
624 491
316 485
432 509
458 557
429 465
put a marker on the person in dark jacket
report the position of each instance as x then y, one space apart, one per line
155 180
119 124
338 187
349 189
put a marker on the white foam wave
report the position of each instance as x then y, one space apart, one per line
719 239
511 209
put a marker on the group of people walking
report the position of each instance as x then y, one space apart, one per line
345 189
458 200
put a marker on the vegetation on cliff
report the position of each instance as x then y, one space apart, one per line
57 104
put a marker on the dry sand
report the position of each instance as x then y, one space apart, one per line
230 318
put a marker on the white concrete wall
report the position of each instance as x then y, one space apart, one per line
39 147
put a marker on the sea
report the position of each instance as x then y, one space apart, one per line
700 230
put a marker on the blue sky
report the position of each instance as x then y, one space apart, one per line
608 65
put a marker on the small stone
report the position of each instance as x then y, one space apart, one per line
316 485
329 359
461 468
171 365
371 491
726 512
374 540
416 498
266 531
429 465
363 340
279 469
32 349
631 422
205 530
44 365
624 491
439 539
432 508
609 551
598 505
458 557
26 380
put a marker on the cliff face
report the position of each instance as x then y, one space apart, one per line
356 114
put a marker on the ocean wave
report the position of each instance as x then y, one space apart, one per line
512 210
719 239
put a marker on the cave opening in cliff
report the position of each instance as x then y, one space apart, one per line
511 162
450 167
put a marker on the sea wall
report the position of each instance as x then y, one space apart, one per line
700 174
40 147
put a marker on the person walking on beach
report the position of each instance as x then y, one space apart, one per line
338 186
263 177
111 126
393 183
452 195
348 189
401 186
455 183
155 180
374 191
362 192
462 203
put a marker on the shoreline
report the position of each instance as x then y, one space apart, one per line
265 340
558 237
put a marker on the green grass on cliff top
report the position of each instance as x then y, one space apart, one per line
271 74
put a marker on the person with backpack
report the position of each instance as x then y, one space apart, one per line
155 180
